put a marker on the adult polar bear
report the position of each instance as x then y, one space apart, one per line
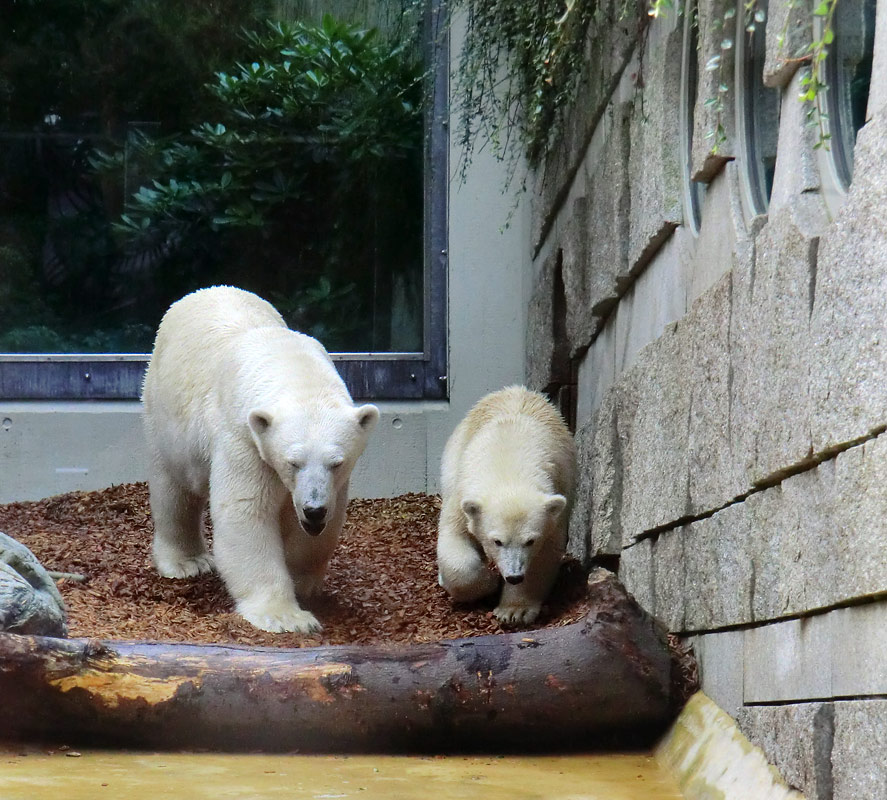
254 416
507 481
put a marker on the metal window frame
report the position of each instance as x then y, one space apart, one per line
369 376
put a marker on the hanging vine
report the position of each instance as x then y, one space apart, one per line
521 62
519 66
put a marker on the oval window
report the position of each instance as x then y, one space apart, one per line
848 76
693 190
757 109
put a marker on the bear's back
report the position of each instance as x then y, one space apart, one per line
516 434
194 342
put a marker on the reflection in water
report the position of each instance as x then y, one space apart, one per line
120 775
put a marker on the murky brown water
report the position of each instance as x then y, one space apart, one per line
35 775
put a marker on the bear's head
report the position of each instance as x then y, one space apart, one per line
512 528
313 451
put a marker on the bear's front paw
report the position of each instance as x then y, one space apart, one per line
517 615
185 567
280 620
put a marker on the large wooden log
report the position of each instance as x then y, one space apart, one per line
603 680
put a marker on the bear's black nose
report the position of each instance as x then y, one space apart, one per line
515 579
314 514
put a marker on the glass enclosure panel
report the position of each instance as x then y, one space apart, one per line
152 147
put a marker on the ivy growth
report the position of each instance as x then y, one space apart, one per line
519 67
813 82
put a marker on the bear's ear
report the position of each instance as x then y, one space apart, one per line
471 508
367 416
259 421
555 505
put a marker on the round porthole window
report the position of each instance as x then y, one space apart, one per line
757 109
693 190
848 76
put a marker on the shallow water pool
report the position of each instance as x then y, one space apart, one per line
29 774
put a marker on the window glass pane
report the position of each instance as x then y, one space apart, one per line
693 190
759 112
848 77
151 147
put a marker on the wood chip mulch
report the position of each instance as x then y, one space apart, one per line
381 585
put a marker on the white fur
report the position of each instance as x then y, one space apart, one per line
244 412
507 478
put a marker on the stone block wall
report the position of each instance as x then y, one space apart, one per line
731 389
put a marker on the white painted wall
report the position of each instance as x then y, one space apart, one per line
51 447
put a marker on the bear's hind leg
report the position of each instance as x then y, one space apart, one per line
179 546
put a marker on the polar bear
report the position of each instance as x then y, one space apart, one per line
507 481
253 416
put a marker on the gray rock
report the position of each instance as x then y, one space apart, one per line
670 579
547 351
789 661
770 353
595 521
580 517
605 530
789 33
797 739
877 104
859 757
610 44
654 430
848 324
596 373
856 517
793 537
596 237
718 570
719 656
712 479
29 599
753 561
655 153
636 573
797 183
714 134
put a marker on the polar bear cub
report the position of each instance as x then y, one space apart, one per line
507 481
253 416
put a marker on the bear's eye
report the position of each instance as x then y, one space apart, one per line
529 542
336 464
296 465
497 542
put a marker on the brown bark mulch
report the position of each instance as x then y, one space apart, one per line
381 585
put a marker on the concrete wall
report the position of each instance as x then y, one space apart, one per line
730 392
50 447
